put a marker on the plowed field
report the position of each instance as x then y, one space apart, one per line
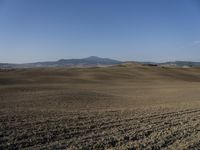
122 107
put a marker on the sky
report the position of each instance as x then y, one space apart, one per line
140 30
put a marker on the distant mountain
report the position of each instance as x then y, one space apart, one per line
91 61
94 61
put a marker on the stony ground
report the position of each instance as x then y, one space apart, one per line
45 110
148 129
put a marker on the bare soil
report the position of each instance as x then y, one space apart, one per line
121 107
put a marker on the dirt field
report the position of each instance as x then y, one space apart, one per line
122 107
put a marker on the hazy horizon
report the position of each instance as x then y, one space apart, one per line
49 30
100 57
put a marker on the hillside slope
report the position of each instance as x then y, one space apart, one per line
120 73
128 106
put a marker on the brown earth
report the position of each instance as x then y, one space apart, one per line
121 107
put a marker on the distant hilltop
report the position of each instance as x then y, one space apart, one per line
94 61
91 61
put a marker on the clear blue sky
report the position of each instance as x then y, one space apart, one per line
144 30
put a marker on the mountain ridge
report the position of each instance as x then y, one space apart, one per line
92 61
